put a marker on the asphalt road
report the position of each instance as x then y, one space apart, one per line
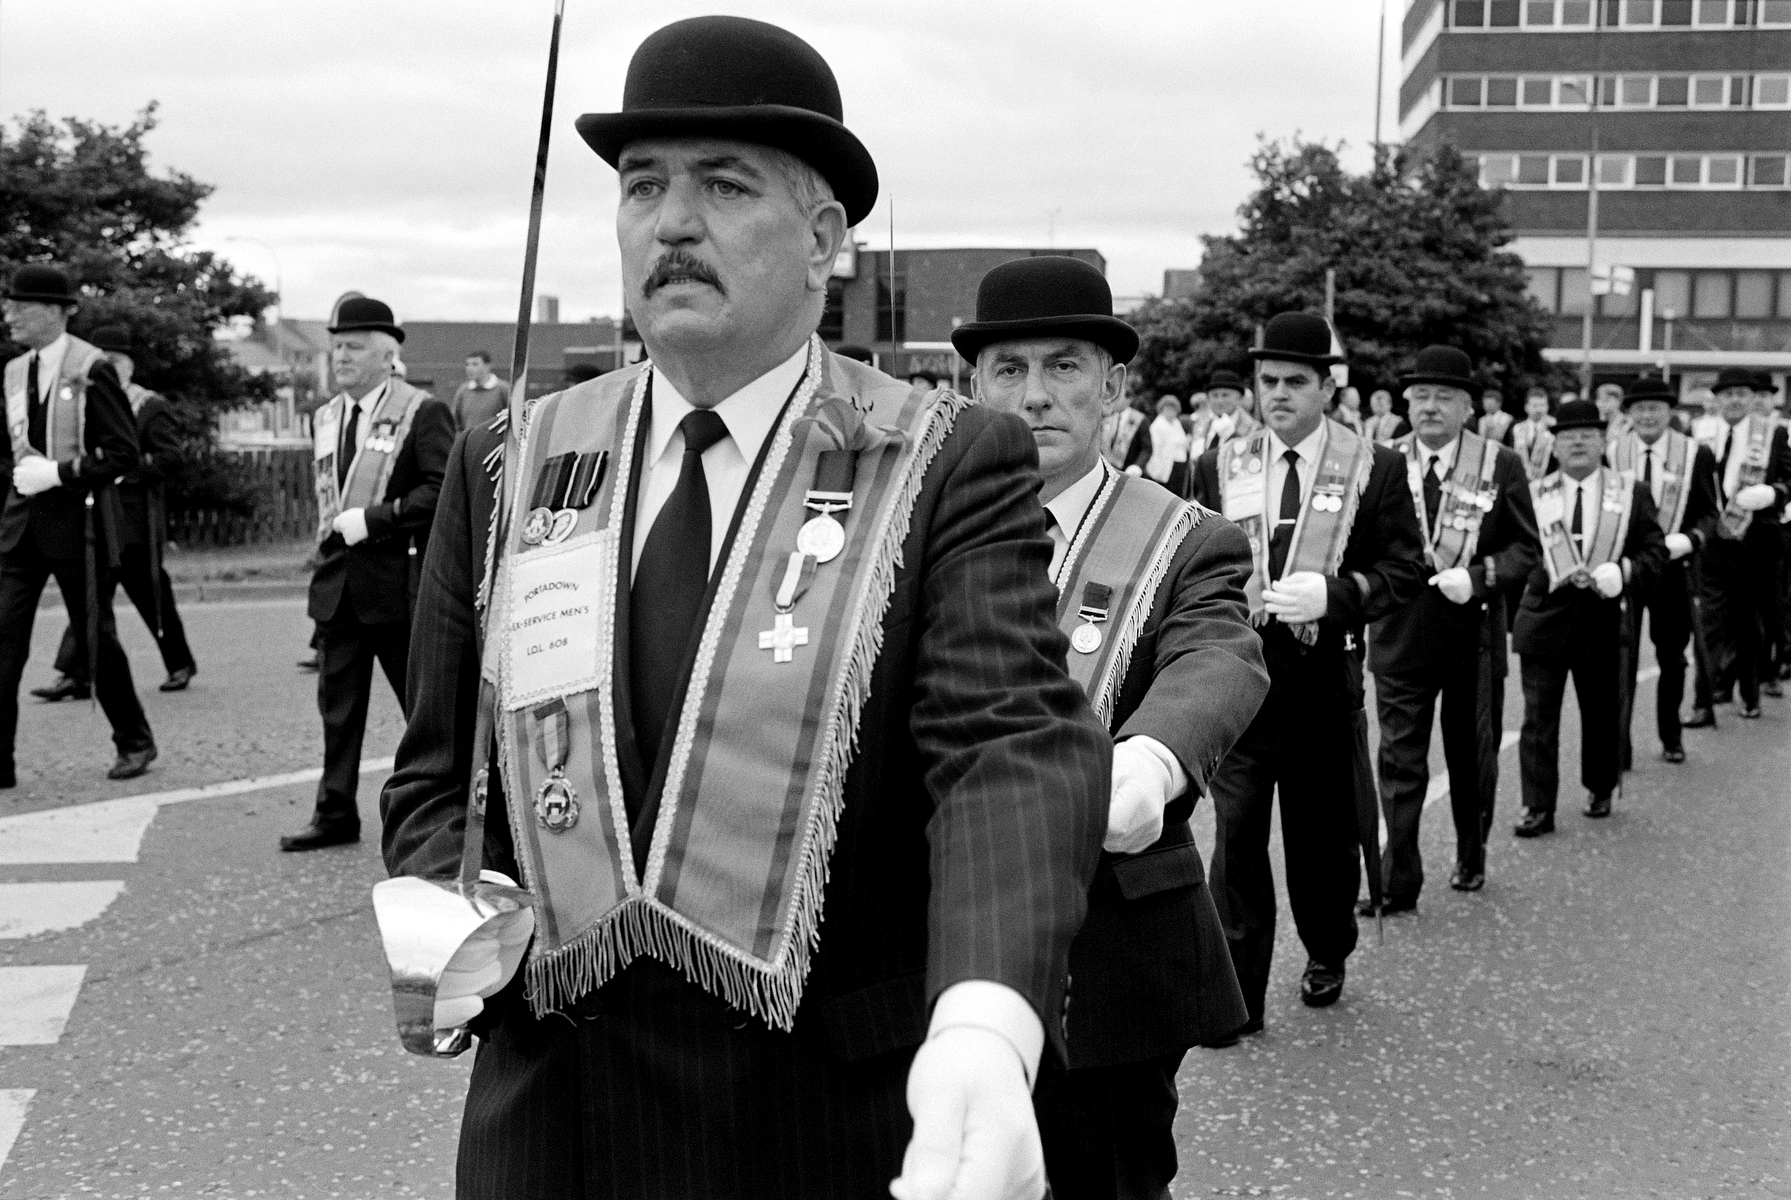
186 1012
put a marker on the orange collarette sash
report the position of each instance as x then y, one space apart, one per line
1468 496
1560 549
1534 444
1674 481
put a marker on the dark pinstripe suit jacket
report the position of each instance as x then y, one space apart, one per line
1150 974
973 817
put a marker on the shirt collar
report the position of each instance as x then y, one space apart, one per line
1071 505
51 356
749 413
1307 448
366 403
1445 456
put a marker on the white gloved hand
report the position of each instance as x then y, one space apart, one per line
1607 580
1297 599
974 1131
1134 470
1141 787
484 964
1755 497
352 525
1678 546
35 474
1455 583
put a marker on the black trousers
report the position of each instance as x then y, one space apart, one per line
346 653
1473 698
1737 599
134 574
23 573
1669 610
1108 1132
1594 670
1309 757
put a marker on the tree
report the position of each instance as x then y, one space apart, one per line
1417 245
80 194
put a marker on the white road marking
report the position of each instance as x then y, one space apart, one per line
28 909
35 1003
112 830
13 1103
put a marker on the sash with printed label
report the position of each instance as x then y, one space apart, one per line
758 757
1535 444
1672 484
370 471
1467 496
1746 468
1327 511
1110 575
1554 513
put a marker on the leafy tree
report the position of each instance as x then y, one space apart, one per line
1417 245
80 194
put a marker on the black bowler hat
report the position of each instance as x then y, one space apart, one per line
1226 379
1763 382
113 338
746 81
1731 377
360 313
1299 337
1578 414
1443 365
1650 387
39 283
1044 296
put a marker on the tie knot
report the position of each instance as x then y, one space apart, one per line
701 429
1050 520
1292 456
1436 462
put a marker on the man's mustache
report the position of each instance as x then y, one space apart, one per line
680 267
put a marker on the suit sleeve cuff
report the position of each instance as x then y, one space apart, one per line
1164 757
1001 1010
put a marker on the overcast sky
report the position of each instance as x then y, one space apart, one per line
386 145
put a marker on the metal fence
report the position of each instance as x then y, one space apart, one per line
284 510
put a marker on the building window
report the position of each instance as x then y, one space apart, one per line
1784 309
1576 12
1672 293
1675 12
1710 295
1539 12
1501 92
892 304
1570 171
1772 91
1613 170
1638 12
1503 14
1575 92
1576 291
1539 93
1709 91
1775 12
1514 14
1545 282
1713 12
1723 170
1465 91
1651 170
1672 91
1753 294
1768 171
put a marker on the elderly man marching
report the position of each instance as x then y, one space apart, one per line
1601 546
380 448
72 439
1680 476
1480 536
1334 543
1222 417
783 745
1151 596
1533 437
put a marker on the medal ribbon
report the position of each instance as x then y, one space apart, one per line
835 473
1096 597
553 723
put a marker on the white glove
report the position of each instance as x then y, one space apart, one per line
974 1132
35 474
1607 580
352 525
1678 546
484 964
1134 470
1456 584
1297 599
1142 786
1755 497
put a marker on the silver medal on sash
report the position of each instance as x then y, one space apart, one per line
821 538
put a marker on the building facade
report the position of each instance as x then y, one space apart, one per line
1653 135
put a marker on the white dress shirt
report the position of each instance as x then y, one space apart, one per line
1590 496
49 368
1308 450
749 415
1444 458
1656 455
366 404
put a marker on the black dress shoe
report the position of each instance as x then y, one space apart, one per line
1598 806
319 834
1773 688
9 778
1750 711
177 680
66 687
1701 718
1467 880
1390 906
1673 754
132 763
1252 1026
1535 823
1321 985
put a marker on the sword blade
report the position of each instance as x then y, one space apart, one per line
519 356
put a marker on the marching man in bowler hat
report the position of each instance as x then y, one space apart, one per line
380 448
1334 543
1151 595
1223 416
72 438
785 748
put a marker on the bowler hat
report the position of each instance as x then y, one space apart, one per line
1045 296
1578 414
1733 377
1226 379
1299 337
113 338
1763 382
359 313
1650 387
1444 365
40 283
744 80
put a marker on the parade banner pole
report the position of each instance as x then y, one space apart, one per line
519 356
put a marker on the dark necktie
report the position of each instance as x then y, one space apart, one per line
1648 469
1290 515
669 585
345 458
1579 495
34 411
1433 493
1722 468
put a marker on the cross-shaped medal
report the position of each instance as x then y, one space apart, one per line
783 637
